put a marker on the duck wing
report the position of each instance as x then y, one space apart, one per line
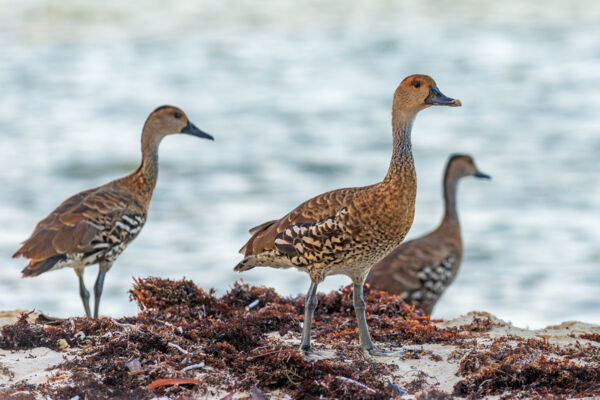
411 265
89 222
312 212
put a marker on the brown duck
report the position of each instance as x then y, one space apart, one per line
347 231
421 269
96 225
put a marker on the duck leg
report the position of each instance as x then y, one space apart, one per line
83 293
309 309
99 286
361 319
363 330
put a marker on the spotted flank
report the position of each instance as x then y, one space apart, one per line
433 282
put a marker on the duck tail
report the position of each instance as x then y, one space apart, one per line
38 267
246 264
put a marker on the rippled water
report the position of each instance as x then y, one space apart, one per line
298 97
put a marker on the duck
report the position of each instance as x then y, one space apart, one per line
96 225
347 231
420 270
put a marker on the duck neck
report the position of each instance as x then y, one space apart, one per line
147 173
402 153
450 186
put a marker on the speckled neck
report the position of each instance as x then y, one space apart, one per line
144 178
402 157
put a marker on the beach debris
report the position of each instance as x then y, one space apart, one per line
176 346
193 366
252 305
134 365
238 350
397 390
48 320
63 345
79 335
343 378
173 381
531 365
594 337
256 394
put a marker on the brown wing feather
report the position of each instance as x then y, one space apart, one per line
310 212
72 227
61 209
261 227
305 244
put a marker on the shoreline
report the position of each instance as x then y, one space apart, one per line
223 347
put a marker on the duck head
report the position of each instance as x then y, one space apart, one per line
417 92
460 165
168 120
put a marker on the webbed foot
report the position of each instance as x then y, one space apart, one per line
313 354
373 352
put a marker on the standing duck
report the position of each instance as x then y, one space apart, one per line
96 225
421 269
347 231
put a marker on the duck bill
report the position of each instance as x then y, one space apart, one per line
479 174
193 130
437 98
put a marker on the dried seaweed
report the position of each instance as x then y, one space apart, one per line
594 337
417 384
478 325
22 335
529 366
246 341
181 325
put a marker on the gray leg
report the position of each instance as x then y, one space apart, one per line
99 286
309 308
363 330
84 293
361 319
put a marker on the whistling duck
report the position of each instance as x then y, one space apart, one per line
95 226
421 269
347 231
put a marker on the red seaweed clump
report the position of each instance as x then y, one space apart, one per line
157 294
23 335
390 319
229 343
594 337
188 343
530 367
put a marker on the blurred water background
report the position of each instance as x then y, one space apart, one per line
298 96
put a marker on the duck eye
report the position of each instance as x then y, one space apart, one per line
177 115
416 84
